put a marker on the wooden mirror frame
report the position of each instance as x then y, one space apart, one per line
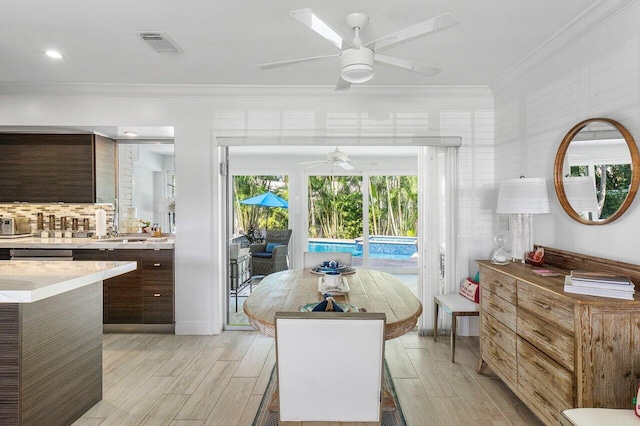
558 178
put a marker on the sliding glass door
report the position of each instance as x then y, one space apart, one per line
372 217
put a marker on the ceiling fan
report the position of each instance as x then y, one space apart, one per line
357 58
334 158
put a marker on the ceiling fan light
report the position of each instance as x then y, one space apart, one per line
357 73
357 65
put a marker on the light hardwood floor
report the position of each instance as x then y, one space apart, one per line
219 380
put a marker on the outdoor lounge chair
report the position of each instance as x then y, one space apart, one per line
272 255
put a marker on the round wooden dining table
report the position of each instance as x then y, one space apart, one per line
370 291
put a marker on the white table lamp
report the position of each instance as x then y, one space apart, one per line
522 198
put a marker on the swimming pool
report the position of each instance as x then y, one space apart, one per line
380 247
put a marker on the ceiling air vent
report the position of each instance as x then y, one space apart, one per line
160 42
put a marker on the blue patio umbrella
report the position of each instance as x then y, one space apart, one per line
268 199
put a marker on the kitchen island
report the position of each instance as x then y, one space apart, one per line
140 301
51 339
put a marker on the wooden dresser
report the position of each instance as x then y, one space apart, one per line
558 350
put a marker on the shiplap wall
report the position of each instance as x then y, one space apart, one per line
594 74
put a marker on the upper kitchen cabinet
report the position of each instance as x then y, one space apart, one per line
50 168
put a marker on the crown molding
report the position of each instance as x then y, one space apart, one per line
225 91
592 17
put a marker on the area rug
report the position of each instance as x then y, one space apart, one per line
265 417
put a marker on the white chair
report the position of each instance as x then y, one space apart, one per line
598 417
329 366
313 258
457 306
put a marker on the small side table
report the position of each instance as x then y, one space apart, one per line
240 275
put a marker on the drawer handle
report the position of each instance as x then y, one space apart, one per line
542 305
156 265
541 368
156 294
541 397
496 307
541 334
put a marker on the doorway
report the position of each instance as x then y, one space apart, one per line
252 214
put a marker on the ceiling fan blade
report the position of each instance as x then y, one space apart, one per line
342 85
317 164
413 32
313 162
407 65
309 18
346 165
294 61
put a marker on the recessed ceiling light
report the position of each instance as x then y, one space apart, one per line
132 134
53 54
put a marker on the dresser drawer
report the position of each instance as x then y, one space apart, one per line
543 381
548 338
500 284
498 307
499 333
551 307
502 361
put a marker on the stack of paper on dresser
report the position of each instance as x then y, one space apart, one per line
599 284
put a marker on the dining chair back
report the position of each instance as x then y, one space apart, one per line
313 258
329 366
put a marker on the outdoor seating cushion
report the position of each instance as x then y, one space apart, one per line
271 246
263 255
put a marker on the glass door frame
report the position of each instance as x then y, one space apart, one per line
229 226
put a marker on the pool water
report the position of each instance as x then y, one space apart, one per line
380 247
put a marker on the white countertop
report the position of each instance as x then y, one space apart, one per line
87 243
25 281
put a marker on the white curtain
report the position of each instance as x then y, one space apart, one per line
438 216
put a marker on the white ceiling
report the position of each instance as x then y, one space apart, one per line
224 40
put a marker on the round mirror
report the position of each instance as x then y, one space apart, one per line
596 171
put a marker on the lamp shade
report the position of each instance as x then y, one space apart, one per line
581 193
523 196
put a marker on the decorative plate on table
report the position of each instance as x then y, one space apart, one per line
341 289
344 306
343 269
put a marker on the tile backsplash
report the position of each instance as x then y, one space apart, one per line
70 211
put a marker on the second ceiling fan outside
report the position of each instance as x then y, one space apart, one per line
334 158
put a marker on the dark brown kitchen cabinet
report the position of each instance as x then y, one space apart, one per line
143 296
89 254
45 168
123 294
157 286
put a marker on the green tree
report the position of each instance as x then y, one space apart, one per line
335 206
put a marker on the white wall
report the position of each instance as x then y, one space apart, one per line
592 69
199 113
